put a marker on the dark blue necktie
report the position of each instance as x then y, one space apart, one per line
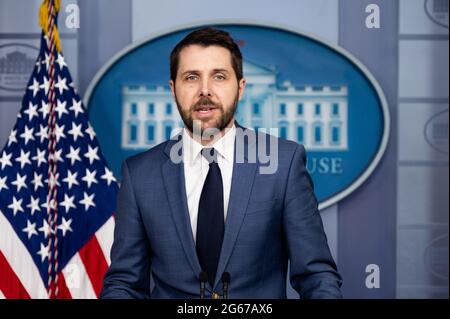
210 223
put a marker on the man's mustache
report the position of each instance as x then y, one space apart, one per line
202 102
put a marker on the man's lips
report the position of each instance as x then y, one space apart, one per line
204 111
204 108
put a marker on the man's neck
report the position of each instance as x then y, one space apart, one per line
211 139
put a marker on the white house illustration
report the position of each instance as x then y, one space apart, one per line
16 62
315 116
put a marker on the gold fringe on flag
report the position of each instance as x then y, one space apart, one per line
44 21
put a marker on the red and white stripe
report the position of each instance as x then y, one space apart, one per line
81 278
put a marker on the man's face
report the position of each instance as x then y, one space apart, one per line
206 88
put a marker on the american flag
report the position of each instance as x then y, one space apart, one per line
65 257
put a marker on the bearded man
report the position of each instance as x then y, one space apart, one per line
199 217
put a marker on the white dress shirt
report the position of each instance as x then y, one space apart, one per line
196 169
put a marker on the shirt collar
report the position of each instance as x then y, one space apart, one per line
224 145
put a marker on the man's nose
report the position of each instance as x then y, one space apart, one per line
205 90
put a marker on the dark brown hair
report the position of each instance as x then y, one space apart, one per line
206 37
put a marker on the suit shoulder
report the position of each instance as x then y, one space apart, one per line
290 145
153 155
283 144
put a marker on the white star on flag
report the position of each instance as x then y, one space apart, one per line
65 226
12 137
45 85
59 132
28 134
61 62
92 154
30 229
40 157
75 131
37 181
38 65
46 61
73 155
34 205
20 182
3 183
5 160
71 179
67 203
76 107
108 176
45 228
61 84
61 108
44 252
16 205
34 87
89 178
43 132
45 109
23 159
90 132
31 111
87 201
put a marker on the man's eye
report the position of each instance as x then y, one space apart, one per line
219 77
191 77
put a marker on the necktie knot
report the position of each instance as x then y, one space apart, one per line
210 154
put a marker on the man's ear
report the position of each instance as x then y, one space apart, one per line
172 88
242 83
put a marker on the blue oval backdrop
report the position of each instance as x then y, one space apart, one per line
315 93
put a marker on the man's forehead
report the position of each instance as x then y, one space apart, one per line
204 57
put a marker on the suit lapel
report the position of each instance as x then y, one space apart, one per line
173 176
241 186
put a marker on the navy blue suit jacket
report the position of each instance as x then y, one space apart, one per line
271 219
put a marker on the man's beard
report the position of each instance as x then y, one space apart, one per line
221 122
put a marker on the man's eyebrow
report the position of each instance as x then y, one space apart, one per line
221 70
198 72
190 71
